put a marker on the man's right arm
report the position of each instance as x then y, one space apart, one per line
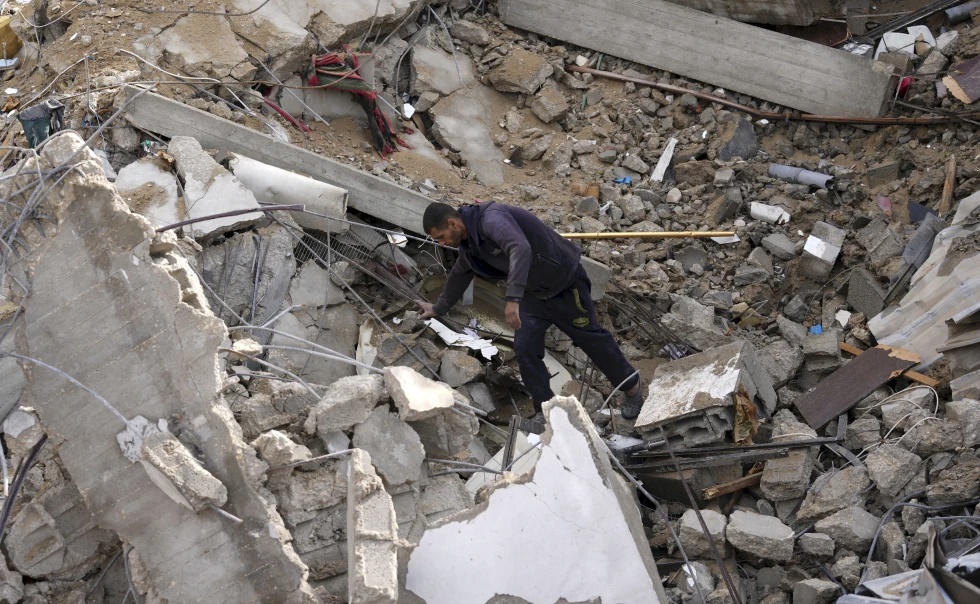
456 283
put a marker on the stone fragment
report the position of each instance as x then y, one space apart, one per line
961 482
521 71
636 164
760 258
448 433
178 474
149 188
416 396
880 241
696 321
471 32
549 105
632 207
815 591
693 538
891 467
818 545
822 352
820 251
395 448
788 478
780 246
277 449
934 66
967 413
881 174
737 139
762 536
792 332
746 274
304 494
11 585
782 361
347 403
458 368
864 293
372 536
948 42
834 491
852 528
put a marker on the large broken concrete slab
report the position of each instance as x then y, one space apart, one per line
104 309
200 44
463 122
693 398
372 536
773 12
751 60
573 502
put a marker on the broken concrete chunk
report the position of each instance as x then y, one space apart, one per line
178 474
834 491
416 396
958 483
549 105
892 467
864 293
822 352
788 478
852 528
11 585
818 545
762 536
967 413
520 71
304 494
780 246
395 448
573 501
468 31
458 368
150 188
210 189
312 287
820 251
815 591
782 361
348 403
696 321
435 70
447 434
277 449
372 536
693 538
737 139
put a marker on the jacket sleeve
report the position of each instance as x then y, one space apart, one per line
504 230
456 283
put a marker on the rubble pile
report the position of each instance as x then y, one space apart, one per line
215 384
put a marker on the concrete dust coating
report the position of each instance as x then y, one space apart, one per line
151 190
554 533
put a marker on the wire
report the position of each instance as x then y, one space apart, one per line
203 12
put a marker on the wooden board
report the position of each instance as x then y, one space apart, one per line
847 386
368 193
736 56
908 373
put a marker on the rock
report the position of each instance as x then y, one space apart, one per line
520 71
724 177
967 413
312 287
948 42
934 66
820 251
746 274
549 105
852 528
892 467
822 352
792 332
759 257
346 404
535 149
782 361
692 536
395 448
818 545
788 478
815 591
458 368
862 432
586 206
448 433
848 570
178 473
690 256
912 518
797 309
11 585
882 174
416 396
737 139
124 137
468 31
929 437
780 246
277 449
762 536
634 163
958 483
880 241
632 207
674 196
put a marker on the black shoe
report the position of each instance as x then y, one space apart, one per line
533 424
633 404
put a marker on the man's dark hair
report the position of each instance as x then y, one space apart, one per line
437 216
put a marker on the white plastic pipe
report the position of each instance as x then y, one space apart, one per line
801 176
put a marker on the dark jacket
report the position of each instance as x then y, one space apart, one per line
507 242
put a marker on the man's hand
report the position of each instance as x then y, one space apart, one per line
427 312
513 313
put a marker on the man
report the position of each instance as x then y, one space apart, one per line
546 285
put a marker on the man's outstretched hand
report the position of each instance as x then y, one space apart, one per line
427 312
513 314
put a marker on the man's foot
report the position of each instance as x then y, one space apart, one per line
533 424
632 403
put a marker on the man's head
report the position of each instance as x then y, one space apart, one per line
444 224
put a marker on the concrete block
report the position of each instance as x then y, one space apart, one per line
822 352
762 536
346 404
395 448
416 396
683 393
780 246
788 478
820 251
692 536
818 545
815 591
458 368
372 536
864 293
178 474
573 501
882 174
852 528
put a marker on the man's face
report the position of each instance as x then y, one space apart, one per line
449 235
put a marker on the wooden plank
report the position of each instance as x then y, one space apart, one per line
771 66
368 193
850 384
912 375
750 480
949 184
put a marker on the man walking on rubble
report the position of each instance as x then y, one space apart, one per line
546 285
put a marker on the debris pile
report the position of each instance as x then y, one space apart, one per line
216 385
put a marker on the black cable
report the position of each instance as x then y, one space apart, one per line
27 464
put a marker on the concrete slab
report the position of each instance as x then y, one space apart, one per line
463 122
372 536
395 448
574 502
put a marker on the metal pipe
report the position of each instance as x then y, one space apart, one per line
291 208
650 235
961 13
801 176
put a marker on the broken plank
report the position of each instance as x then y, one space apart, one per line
744 482
751 60
368 193
908 373
847 386
946 203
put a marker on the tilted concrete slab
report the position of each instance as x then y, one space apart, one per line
751 60
104 309
573 502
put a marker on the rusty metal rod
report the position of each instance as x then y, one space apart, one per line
771 115
650 235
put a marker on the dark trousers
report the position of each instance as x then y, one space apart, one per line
572 312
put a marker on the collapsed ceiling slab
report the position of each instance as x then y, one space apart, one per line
751 60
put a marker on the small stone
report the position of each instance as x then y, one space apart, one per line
780 246
347 403
277 449
634 163
549 105
674 196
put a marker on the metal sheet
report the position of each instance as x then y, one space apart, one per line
851 383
